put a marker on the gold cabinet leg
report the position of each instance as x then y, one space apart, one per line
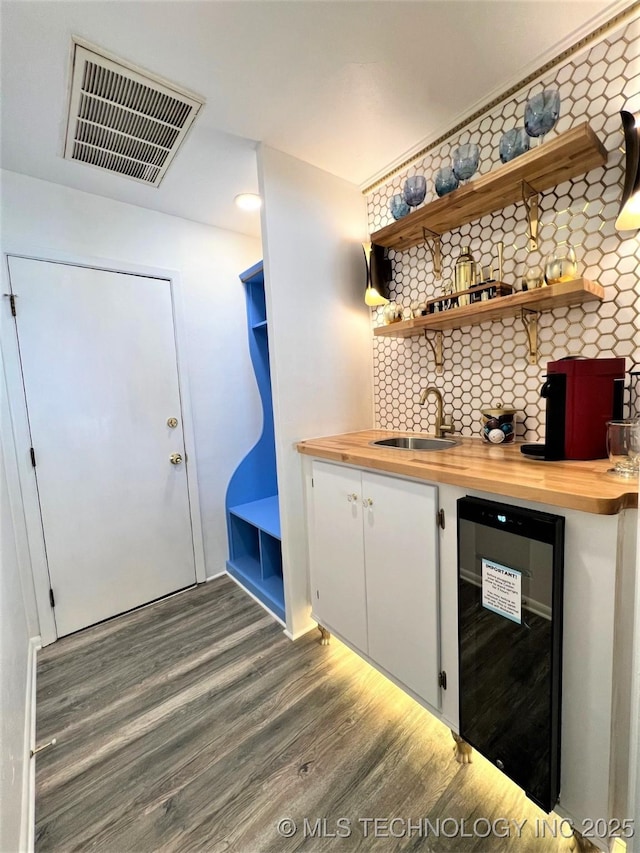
325 636
462 750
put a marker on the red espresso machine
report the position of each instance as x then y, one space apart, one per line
581 395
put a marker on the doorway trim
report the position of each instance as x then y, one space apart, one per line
23 494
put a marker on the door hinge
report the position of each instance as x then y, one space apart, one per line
12 302
442 679
33 456
52 600
440 518
312 484
317 593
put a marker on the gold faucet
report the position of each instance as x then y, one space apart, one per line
441 427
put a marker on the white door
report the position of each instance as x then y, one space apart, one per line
99 365
401 555
338 585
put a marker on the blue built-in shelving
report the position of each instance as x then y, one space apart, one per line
253 516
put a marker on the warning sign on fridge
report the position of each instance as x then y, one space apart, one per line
501 590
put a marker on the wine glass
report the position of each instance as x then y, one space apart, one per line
623 447
466 159
398 206
513 143
445 181
541 113
415 189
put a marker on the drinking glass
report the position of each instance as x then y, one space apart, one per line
398 206
445 181
466 159
541 113
561 265
534 277
415 189
623 447
513 143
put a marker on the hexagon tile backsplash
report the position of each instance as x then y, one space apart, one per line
488 362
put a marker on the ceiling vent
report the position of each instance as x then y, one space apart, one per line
123 120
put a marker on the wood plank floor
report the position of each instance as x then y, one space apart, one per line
196 725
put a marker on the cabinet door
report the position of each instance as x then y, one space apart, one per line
401 555
337 557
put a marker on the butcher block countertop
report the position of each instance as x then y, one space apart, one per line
498 469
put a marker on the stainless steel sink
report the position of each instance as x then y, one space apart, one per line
415 443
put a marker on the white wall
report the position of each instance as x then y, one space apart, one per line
17 626
634 746
313 225
46 219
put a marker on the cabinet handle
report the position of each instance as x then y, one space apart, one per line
352 497
367 502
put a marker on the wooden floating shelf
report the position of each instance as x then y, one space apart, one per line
541 299
566 156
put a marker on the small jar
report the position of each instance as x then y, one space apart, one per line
418 309
561 265
535 278
391 313
498 424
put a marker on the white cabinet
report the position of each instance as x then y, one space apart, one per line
374 563
401 559
338 586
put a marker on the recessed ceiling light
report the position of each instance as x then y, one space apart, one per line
248 201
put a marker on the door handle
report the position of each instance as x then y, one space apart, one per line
175 459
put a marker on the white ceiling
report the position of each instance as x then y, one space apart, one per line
349 86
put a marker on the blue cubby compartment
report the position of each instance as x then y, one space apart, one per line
271 556
256 552
245 547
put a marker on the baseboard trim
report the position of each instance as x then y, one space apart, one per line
219 574
301 633
28 822
256 599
